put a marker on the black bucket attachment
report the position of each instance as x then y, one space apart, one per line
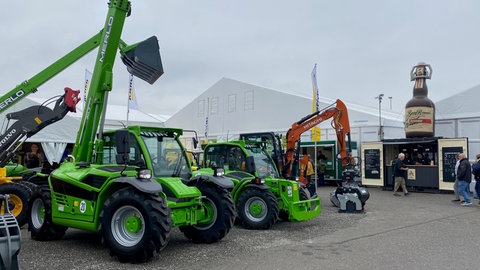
143 61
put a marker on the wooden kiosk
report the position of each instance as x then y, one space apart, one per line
378 157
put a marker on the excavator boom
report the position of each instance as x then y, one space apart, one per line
341 125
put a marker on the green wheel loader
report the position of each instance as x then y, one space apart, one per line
260 195
138 189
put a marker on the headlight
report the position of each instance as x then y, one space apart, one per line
258 181
218 172
144 174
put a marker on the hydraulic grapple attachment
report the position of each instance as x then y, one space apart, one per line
144 60
9 237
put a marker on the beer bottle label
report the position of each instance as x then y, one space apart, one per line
419 119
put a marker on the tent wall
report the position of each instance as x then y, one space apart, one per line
461 127
231 107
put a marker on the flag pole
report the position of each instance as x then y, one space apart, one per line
315 133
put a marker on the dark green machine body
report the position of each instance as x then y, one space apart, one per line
249 166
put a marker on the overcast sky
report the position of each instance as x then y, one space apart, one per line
361 48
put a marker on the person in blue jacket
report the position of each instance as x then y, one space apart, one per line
476 174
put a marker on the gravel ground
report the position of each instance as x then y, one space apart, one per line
330 241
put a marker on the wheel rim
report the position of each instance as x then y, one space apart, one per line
256 209
15 205
211 210
127 226
37 213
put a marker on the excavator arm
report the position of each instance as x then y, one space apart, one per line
31 120
337 111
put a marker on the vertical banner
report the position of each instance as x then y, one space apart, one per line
206 128
132 99
88 80
315 136
315 103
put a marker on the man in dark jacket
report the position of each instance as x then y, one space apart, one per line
399 173
464 176
476 174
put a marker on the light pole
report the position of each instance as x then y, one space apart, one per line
380 129
390 102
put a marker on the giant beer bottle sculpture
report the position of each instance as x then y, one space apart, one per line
420 110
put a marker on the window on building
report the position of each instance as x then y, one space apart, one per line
248 105
201 108
232 103
214 106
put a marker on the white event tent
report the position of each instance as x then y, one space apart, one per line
459 116
231 107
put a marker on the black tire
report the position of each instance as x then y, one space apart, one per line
220 203
304 194
40 222
17 202
30 185
257 209
135 224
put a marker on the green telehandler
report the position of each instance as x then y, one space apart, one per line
260 194
118 183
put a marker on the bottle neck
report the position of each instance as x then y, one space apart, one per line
420 92
420 88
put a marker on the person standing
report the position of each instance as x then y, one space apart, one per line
309 172
408 159
34 158
476 174
321 156
400 173
422 160
455 184
464 176
321 167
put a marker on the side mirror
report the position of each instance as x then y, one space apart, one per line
122 143
250 165
195 142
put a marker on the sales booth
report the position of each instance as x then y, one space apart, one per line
435 175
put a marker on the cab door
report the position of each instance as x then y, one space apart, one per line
372 164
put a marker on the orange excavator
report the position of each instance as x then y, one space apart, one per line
337 111
350 197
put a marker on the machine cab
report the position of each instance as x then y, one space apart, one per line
250 158
159 151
